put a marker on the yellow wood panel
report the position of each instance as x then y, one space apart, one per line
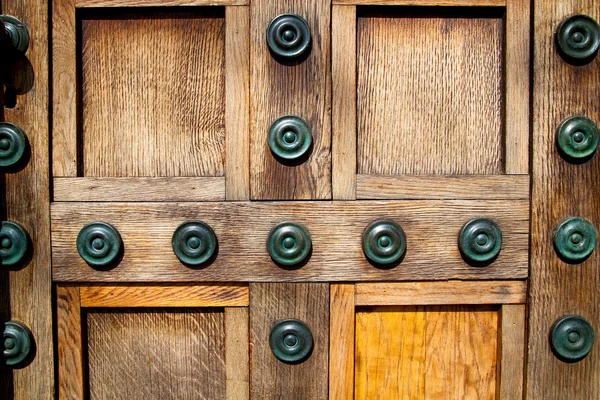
439 352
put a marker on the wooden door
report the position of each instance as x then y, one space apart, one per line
255 199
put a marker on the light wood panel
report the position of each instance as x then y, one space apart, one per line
443 3
438 352
24 200
341 342
156 354
139 189
153 93
431 106
270 303
64 88
237 353
165 296
71 378
343 69
440 293
302 89
158 3
511 350
237 102
442 187
517 95
561 190
336 229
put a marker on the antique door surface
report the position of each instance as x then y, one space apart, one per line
369 199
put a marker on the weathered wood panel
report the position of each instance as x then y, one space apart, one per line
438 352
336 229
561 190
237 353
271 378
430 91
24 199
153 93
71 371
302 89
156 354
341 341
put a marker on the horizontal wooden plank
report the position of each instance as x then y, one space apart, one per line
440 293
448 3
448 187
158 3
165 296
140 189
336 229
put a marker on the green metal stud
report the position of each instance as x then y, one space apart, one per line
12 144
574 240
578 39
194 243
16 344
14 243
288 37
480 241
289 243
291 341
99 244
577 138
571 338
290 137
16 32
384 242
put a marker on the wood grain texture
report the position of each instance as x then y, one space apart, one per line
442 3
156 354
448 187
341 342
271 378
71 378
517 77
343 112
304 90
165 296
158 3
26 201
430 106
237 353
561 190
140 189
440 293
336 229
237 102
156 108
64 88
511 352
439 352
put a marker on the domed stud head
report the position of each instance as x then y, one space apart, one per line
574 240
17 33
578 39
16 343
100 245
577 138
13 143
291 341
288 37
571 338
290 138
194 243
480 241
289 244
384 242
14 244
